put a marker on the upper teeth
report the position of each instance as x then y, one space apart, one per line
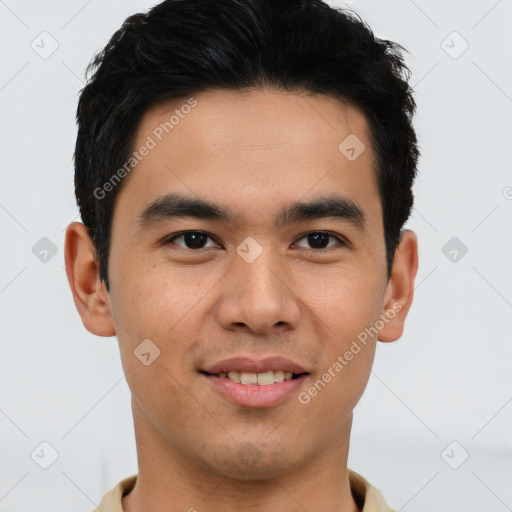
263 379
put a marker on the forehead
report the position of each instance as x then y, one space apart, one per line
261 144
224 120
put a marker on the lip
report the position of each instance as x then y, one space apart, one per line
254 395
249 365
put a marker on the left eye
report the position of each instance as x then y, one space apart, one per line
197 240
319 239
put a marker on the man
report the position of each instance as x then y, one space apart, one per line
244 172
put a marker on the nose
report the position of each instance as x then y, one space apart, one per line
257 296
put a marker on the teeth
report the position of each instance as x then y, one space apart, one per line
234 376
248 378
279 376
262 379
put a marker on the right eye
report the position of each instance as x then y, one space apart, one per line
192 240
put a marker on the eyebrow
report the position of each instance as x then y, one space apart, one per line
177 205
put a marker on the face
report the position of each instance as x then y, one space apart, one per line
249 284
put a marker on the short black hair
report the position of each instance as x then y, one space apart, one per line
182 47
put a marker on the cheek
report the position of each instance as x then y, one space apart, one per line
344 302
346 311
164 306
154 334
160 394
152 299
333 394
346 314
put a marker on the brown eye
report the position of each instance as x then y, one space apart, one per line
191 240
320 240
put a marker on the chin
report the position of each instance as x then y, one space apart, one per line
249 462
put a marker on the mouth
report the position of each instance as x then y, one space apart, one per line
256 383
261 379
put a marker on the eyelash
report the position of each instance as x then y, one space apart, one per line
171 238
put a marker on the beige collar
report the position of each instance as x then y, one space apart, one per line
364 493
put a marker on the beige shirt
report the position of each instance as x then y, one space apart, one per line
366 496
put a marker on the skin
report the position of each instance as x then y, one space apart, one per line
254 151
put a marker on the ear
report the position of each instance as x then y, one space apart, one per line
89 293
400 289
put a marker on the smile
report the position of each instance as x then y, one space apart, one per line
252 394
261 379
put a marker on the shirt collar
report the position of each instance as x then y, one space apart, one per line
366 496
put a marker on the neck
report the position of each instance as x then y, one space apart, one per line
169 481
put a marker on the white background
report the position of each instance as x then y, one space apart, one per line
447 379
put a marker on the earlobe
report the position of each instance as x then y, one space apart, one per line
89 293
400 288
